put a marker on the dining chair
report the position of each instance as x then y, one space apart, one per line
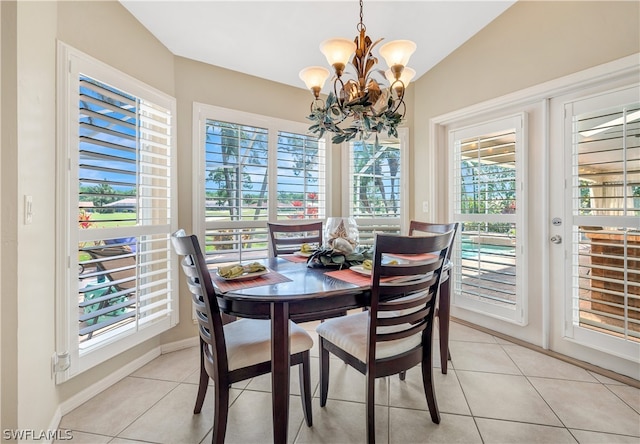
287 238
444 296
395 333
235 351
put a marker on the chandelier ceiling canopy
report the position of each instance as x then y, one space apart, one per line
372 101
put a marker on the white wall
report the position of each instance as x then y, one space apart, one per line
30 398
8 196
529 44
35 156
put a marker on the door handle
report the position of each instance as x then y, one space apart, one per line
556 239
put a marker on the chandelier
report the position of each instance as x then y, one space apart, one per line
365 104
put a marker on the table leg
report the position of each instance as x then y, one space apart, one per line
280 368
444 308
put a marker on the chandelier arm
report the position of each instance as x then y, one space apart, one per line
399 103
314 102
339 98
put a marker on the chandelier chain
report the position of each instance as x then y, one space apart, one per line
361 26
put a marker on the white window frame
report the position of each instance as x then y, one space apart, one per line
518 314
203 112
379 223
72 63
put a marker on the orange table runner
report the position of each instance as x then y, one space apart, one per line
270 278
352 277
355 278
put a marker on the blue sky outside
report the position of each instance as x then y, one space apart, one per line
107 131
297 163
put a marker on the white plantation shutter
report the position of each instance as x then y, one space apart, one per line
606 218
301 185
236 191
488 201
119 146
254 169
376 175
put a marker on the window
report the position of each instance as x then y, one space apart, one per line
118 185
254 169
301 179
487 201
605 165
376 177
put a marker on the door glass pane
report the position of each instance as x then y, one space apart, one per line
486 206
606 228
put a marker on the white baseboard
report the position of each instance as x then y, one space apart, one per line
80 398
180 345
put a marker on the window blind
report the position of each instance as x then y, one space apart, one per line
124 207
606 215
301 188
374 195
485 203
374 180
255 169
236 190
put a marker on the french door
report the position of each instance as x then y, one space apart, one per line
594 171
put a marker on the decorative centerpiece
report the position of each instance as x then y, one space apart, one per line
341 234
341 245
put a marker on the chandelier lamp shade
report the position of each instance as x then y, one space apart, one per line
365 102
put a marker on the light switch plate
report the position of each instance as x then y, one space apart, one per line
28 209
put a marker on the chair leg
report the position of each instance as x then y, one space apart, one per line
324 373
427 382
444 308
305 388
370 401
221 411
203 384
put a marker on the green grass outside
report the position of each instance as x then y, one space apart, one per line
105 220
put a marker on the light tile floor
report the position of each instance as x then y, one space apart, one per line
494 392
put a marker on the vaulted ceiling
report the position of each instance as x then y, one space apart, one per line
274 40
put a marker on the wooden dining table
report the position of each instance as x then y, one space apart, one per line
291 291
300 294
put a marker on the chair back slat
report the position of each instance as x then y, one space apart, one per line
427 227
414 329
205 303
288 238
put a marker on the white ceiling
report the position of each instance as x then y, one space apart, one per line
274 40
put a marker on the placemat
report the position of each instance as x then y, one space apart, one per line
293 258
352 277
266 279
359 279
